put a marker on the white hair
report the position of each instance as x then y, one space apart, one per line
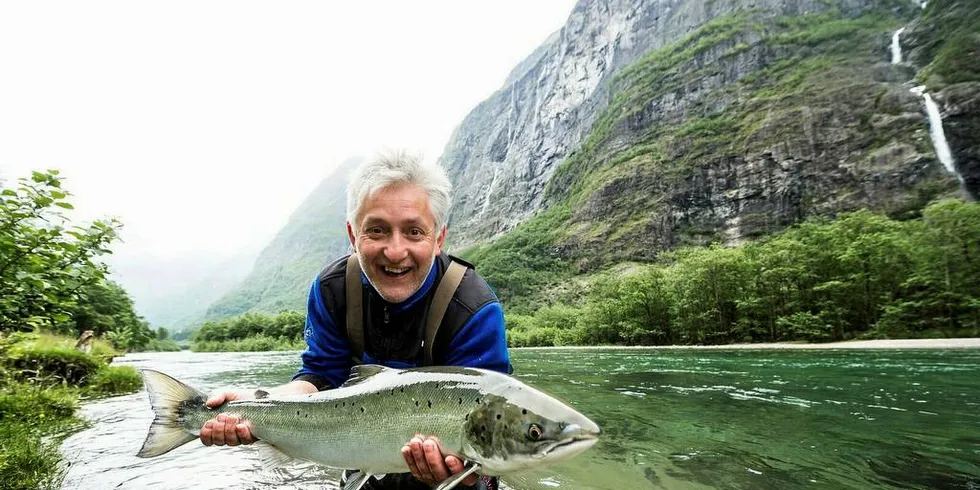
394 168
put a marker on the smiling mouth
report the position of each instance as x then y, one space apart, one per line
395 271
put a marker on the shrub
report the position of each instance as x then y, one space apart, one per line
51 364
24 403
113 380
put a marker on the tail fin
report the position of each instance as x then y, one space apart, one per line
168 398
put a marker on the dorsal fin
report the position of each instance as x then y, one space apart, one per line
363 372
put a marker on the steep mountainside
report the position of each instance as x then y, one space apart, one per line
762 115
284 271
647 125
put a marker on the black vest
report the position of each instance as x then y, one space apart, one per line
398 336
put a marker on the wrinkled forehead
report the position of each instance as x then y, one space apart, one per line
399 200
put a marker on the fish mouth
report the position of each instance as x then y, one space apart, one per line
570 446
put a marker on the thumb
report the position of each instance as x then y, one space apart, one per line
455 465
215 399
219 397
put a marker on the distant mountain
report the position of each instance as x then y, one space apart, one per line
174 293
197 297
314 235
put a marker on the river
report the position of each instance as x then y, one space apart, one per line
684 419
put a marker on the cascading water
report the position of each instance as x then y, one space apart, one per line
896 47
936 132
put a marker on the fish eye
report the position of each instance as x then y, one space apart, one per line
534 432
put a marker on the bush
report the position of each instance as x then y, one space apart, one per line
113 380
164 345
51 364
258 343
24 403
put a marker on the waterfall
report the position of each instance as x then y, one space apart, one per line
896 47
493 182
936 132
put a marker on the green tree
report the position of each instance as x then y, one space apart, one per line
942 292
106 309
708 285
44 262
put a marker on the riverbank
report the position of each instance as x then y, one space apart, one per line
957 343
42 380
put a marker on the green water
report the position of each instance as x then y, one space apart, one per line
673 419
769 419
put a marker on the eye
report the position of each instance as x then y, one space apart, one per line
534 432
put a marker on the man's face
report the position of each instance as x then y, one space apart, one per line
396 240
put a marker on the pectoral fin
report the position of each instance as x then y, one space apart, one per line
356 480
271 456
458 478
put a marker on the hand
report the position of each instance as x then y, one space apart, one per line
226 429
425 460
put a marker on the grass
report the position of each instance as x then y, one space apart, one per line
42 379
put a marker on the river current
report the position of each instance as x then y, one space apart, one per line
671 418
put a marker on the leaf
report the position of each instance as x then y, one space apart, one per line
64 205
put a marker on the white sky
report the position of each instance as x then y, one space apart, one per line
203 124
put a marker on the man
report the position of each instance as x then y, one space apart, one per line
397 208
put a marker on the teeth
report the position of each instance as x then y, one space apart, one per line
395 270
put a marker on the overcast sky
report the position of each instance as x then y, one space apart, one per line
203 124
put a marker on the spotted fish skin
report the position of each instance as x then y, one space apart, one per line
480 416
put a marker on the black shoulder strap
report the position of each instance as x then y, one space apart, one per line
440 302
355 308
444 294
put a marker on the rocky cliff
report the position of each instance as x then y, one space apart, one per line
648 125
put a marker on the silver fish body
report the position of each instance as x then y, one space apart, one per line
483 417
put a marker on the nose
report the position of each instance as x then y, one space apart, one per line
395 250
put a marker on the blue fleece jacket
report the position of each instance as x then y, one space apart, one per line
481 342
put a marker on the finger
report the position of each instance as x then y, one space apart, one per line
215 399
218 432
425 474
231 431
455 465
206 432
433 457
410 461
244 430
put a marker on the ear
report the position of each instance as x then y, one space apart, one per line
441 239
350 236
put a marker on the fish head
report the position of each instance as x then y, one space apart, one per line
520 428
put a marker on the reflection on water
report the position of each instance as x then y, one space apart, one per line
670 419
